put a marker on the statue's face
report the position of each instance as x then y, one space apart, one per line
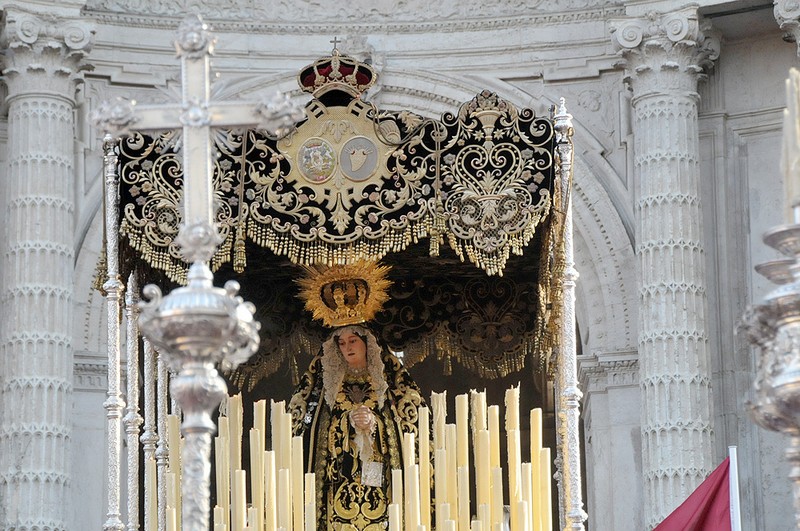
354 350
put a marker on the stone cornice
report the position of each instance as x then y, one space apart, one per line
679 43
103 12
600 371
91 377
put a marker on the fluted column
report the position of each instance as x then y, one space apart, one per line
664 56
42 57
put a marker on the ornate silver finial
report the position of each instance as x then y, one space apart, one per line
278 114
116 116
194 40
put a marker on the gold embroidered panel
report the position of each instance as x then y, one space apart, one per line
352 182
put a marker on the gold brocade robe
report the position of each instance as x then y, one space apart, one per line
343 501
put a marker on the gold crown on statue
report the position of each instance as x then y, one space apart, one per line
345 294
338 71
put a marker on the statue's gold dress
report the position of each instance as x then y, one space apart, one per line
344 501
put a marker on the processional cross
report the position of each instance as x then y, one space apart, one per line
198 325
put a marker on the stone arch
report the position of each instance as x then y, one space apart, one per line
603 249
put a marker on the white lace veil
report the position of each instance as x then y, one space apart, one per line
334 366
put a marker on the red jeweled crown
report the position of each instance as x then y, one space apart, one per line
337 72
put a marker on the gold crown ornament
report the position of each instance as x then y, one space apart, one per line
345 294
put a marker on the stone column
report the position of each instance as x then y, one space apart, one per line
42 59
664 58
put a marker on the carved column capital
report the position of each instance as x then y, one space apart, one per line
787 14
665 51
48 49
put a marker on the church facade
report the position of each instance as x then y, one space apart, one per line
677 113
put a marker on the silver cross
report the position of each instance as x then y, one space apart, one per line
196 115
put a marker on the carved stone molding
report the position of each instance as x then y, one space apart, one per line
362 17
91 376
601 371
787 14
665 51
48 49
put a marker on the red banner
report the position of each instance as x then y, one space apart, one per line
707 508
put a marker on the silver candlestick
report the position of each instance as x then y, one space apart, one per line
197 326
774 329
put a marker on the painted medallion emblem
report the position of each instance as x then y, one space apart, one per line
317 160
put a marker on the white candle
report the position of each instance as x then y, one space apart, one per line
310 501
497 496
790 161
463 498
424 467
171 500
494 436
172 522
397 487
151 494
512 408
260 416
275 410
412 492
439 406
450 525
536 446
478 410
252 518
222 472
442 512
482 469
462 428
527 492
395 522
285 456
174 443
219 516
235 426
452 467
522 516
440 476
284 499
544 466
485 515
271 500
409 496
257 476
514 466
297 482
476 526
239 499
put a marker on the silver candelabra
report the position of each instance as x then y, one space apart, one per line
774 326
197 326
774 329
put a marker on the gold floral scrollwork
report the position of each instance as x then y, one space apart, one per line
496 179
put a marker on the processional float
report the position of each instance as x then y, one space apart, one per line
341 183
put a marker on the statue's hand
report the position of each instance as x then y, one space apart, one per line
362 418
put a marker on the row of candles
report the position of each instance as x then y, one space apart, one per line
283 496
